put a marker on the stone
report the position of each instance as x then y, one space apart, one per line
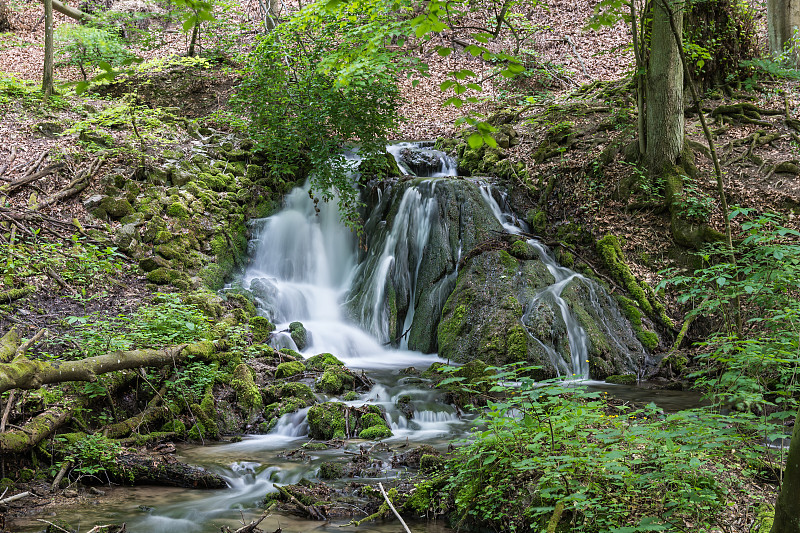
299 334
93 201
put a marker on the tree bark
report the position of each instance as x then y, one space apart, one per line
787 509
5 23
665 126
47 77
783 20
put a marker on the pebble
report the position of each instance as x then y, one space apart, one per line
70 493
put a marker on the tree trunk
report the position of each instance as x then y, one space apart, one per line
5 22
783 21
664 91
787 509
47 78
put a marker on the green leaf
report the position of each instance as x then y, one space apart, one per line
475 141
444 51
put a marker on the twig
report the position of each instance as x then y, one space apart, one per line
10 162
28 179
7 411
27 344
385 497
15 497
61 473
35 165
52 524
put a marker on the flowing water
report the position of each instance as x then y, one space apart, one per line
303 268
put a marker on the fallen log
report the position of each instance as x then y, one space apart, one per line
31 374
9 296
152 413
71 12
38 429
164 470
8 345
73 189
46 423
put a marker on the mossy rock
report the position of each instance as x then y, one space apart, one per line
164 276
178 210
201 350
278 392
245 303
429 463
375 433
537 220
322 361
371 420
351 396
208 302
248 396
335 380
261 328
115 208
299 334
174 426
327 421
288 369
622 379
331 470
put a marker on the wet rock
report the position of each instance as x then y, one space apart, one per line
165 470
299 334
321 362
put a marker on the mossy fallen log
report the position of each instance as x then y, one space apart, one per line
38 429
164 470
9 344
28 374
9 296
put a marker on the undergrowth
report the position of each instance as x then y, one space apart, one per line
550 453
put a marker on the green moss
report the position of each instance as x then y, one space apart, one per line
213 276
291 353
522 250
537 220
648 339
610 251
174 426
289 368
283 390
449 329
375 433
335 380
115 208
622 379
261 328
298 334
432 371
244 303
322 362
315 446
326 421
517 344
429 463
164 276
248 396
25 475
331 470
350 396
371 420
508 262
178 210
676 361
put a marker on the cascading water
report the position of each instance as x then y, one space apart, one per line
308 267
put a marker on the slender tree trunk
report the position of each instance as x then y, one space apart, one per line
783 21
47 77
787 510
664 91
5 23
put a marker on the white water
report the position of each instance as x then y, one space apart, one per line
303 266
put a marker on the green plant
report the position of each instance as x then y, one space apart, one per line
86 47
545 451
754 372
694 204
92 455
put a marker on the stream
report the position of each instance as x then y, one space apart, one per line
303 267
